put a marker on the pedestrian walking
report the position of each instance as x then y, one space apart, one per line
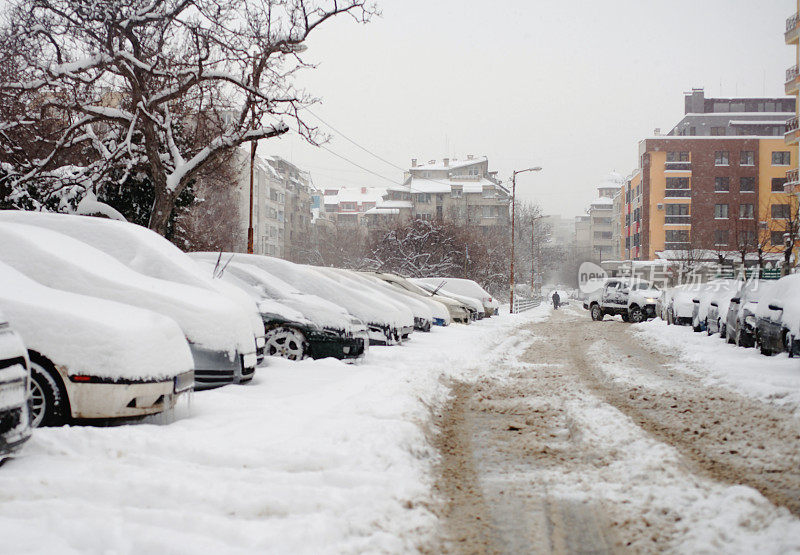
556 300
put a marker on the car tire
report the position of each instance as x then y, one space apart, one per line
597 313
286 342
636 315
625 317
49 405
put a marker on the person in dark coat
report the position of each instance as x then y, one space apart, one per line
556 299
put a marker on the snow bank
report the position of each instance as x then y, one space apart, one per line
774 379
311 457
61 262
92 336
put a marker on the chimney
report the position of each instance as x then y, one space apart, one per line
431 162
446 162
413 162
363 190
469 156
657 131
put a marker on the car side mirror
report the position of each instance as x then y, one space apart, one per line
736 300
774 307
625 290
696 301
715 304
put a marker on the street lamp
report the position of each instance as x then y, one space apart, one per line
513 213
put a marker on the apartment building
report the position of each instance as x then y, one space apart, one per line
348 206
462 191
298 188
792 87
597 230
714 185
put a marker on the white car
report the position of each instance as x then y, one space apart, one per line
457 311
468 288
679 307
220 337
92 358
718 304
439 312
632 299
143 251
15 389
476 309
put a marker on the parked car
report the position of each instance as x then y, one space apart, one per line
384 322
458 312
219 334
703 296
475 306
298 325
740 326
718 306
15 390
468 288
143 251
439 313
92 358
634 300
679 304
778 317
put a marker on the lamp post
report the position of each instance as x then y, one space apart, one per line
513 214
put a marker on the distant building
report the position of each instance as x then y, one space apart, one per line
600 219
348 206
583 237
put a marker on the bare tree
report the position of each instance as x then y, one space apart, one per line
155 86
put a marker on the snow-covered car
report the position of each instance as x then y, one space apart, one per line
15 390
680 306
143 251
632 299
220 336
384 322
718 306
420 313
778 317
92 358
468 288
458 312
298 325
740 325
475 306
703 296
439 313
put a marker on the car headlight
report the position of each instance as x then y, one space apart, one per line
650 300
750 320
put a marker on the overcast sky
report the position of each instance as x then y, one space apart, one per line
568 85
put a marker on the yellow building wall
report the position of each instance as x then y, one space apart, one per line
766 172
658 186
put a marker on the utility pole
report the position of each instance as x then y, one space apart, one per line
253 147
533 255
513 213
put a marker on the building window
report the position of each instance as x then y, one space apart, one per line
721 211
747 237
777 184
424 198
720 237
673 156
722 184
776 238
781 158
678 187
746 211
780 211
676 239
455 192
677 214
717 131
747 158
720 157
747 184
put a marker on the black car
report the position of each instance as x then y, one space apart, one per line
15 378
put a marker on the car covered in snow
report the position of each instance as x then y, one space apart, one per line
719 302
740 325
703 296
385 323
475 306
15 390
778 317
92 358
467 288
632 299
439 313
458 312
220 336
298 325
679 304
141 250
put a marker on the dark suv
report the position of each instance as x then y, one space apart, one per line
15 378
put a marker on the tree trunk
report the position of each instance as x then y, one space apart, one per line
162 210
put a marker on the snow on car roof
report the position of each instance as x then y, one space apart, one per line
785 294
138 248
86 335
62 262
438 310
460 285
418 309
477 304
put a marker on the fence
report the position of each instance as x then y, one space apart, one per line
523 304
749 273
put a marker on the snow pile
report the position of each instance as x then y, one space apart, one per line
61 262
92 336
774 380
311 457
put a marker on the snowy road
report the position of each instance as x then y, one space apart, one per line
599 442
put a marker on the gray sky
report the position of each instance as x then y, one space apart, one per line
568 85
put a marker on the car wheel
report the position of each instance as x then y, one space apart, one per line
286 342
597 313
48 402
708 328
625 318
636 315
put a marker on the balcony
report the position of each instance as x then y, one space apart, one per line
678 220
791 80
792 131
791 34
678 166
792 184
